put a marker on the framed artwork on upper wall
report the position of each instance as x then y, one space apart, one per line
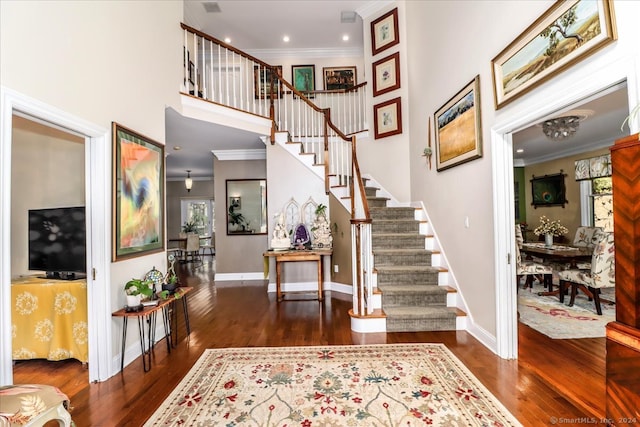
304 77
336 78
387 118
138 194
262 81
458 128
386 74
564 35
384 32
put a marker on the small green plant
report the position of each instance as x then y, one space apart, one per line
189 227
163 294
321 210
139 287
235 218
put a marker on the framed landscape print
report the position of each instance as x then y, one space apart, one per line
387 118
304 77
457 128
336 78
138 194
386 74
564 35
262 82
384 32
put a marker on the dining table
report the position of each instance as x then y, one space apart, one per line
558 254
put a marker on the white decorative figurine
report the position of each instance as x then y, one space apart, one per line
280 239
321 232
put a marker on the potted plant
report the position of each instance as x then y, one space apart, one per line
188 227
235 219
136 289
171 283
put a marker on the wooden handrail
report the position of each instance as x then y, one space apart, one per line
226 46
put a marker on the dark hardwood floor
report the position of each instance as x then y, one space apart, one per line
564 379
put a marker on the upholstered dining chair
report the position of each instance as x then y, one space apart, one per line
530 268
586 237
601 275
193 248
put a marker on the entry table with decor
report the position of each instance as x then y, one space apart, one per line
49 319
281 257
148 315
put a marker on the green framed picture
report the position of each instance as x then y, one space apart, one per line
138 194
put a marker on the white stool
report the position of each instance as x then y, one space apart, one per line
32 405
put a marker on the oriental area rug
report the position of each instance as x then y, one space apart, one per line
371 385
557 320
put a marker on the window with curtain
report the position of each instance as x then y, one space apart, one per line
602 199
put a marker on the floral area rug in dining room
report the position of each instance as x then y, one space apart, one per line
557 320
371 385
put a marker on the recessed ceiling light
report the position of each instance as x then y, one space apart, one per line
345 38
227 40
285 39
520 150
177 147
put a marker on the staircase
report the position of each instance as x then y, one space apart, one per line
389 245
412 299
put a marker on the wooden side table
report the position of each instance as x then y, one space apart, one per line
149 315
297 256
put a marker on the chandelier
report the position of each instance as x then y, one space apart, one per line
561 128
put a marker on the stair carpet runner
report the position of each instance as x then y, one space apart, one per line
411 297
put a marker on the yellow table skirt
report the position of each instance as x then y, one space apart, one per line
49 319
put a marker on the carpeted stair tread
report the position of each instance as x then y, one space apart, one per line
427 289
421 312
407 268
401 251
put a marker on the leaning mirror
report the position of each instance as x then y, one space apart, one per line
246 206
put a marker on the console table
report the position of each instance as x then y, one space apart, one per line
281 257
149 315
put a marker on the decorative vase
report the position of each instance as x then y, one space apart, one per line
548 240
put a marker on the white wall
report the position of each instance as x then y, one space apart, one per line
102 62
387 159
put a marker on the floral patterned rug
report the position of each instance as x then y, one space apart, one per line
372 385
556 320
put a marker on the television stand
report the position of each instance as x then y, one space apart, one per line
63 275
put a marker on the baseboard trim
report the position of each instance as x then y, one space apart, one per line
312 287
226 277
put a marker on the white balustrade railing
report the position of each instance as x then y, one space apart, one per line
320 120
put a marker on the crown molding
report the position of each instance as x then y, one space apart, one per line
253 154
373 7
306 53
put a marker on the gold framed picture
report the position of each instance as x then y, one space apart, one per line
564 35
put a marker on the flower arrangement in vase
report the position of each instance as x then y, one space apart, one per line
549 228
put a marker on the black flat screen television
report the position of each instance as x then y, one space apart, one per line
57 242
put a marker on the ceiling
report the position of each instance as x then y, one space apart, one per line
606 112
315 27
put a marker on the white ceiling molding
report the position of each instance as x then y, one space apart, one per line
373 7
257 154
305 53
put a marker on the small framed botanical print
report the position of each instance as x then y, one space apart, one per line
384 32
387 117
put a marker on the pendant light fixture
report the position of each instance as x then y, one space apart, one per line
188 183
